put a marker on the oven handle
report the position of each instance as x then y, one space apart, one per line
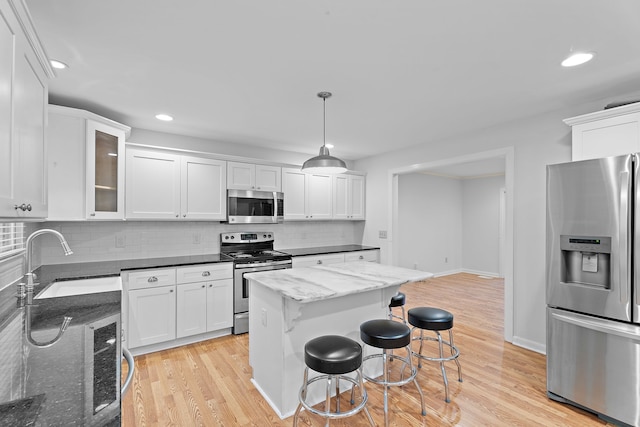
245 286
262 264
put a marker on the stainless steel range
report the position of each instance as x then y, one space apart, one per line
250 252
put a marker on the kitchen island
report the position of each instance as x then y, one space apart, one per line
290 307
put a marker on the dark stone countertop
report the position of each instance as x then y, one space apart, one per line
48 386
321 250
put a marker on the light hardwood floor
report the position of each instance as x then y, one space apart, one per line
208 384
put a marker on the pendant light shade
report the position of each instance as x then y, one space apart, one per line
324 162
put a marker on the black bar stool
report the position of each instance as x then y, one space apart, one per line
333 356
388 335
398 300
436 320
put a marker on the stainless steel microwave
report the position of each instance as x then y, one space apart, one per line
255 207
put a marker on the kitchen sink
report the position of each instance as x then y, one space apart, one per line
65 288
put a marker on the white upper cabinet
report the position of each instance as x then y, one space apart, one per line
248 176
162 185
86 162
105 171
24 74
203 188
306 196
611 132
348 197
152 184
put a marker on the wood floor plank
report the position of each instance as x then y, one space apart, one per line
209 383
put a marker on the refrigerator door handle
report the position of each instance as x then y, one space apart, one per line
623 330
624 273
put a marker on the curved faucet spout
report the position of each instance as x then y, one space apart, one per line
63 327
65 247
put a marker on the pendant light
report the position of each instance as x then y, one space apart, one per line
324 162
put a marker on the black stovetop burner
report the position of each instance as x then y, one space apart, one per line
250 247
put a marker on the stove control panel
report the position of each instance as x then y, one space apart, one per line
265 236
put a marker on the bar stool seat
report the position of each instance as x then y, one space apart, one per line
389 335
398 300
333 356
435 320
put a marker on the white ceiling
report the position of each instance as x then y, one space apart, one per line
402 73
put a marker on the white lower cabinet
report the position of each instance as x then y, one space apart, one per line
334 258
151 316
313 260
175 306
191 311
370 256
219 304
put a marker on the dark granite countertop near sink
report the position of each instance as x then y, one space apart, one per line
321 250
49 273
49 383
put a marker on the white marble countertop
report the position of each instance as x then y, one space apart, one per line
308 284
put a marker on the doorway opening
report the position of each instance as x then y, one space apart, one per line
505 159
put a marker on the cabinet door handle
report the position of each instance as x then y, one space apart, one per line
206 274
360 257
319 261
170 290
92 214
152 279
177 216
210 285
23 207
184 215
203 286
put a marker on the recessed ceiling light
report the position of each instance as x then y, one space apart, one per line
58 64
164 117
577 59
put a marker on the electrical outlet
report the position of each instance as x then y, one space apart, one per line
382 234
446 260
196 238
264 317
120 240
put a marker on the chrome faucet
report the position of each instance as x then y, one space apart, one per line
27 290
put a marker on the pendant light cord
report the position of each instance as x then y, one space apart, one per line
324 122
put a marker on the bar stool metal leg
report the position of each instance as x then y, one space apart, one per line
336 359
388 335
435 320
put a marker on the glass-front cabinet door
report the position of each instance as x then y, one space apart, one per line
105 171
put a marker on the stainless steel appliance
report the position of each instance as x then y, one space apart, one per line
254 207
250 252
593 295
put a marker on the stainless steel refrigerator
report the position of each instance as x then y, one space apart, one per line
593 295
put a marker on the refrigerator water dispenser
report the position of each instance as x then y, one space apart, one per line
586 260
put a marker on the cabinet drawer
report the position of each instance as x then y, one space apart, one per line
152 278
371 256
313 260
205 272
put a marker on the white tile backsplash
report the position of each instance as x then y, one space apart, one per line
97 241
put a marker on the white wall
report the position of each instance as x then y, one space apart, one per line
429 223
448 225
481 225
96 241
537 141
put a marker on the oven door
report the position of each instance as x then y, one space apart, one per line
241 292
254 207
